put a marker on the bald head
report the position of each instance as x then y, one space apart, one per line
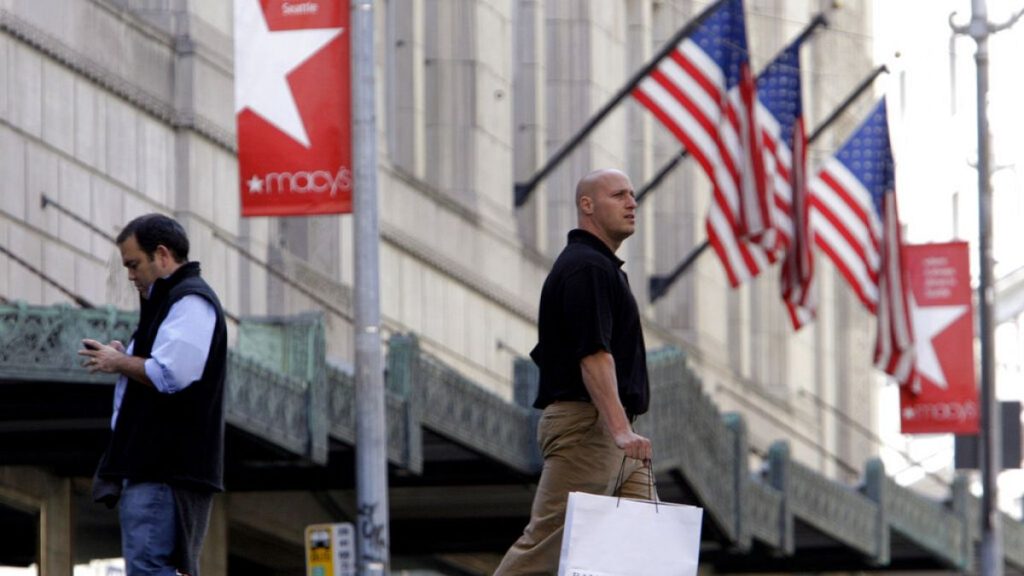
606 206
591 183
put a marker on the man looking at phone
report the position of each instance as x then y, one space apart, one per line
166 452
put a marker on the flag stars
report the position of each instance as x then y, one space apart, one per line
869 157
778 89
723 37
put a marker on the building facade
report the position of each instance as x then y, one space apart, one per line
114 108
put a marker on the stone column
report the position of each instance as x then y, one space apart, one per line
214 558
33 489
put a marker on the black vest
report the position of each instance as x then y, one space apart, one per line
173 438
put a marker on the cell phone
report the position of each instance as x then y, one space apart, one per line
91 345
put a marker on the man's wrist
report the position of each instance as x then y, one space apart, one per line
619 424
117 363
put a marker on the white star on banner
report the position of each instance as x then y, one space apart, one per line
263 60
255 184
930 321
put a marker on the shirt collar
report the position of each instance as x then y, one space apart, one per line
580 236
186 269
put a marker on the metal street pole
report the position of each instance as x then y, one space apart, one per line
991 440
991 530
371 432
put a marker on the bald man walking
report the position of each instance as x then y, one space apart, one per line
593 373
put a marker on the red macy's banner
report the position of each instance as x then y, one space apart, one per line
292 100
943 397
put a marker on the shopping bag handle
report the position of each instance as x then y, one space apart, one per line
652 494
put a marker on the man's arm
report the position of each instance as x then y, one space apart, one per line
111 359
182 345
599 378
179 353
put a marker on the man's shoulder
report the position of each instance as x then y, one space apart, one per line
194 300
574 262
578 256
197 297
194 285
583 254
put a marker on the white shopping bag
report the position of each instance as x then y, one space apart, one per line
610 536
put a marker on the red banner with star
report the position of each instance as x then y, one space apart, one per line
292 105
943 396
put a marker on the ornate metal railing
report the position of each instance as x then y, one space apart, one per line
294 347
1013 541
763 514
441 399
341 414
341 385
932 525
281 389
834 509
690 435
42 342
267 403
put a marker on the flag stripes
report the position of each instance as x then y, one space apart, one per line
785 150
846 230
751 142
704 93
856 224
797 272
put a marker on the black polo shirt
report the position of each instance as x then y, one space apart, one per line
586 306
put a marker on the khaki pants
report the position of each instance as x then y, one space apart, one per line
579 456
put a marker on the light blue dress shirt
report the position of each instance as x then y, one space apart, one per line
180 349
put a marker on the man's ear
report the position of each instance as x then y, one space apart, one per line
163 254
586 204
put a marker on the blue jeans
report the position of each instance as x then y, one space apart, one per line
147 528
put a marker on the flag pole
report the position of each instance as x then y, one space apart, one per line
658 285
371 436
653 183
864 84
523 190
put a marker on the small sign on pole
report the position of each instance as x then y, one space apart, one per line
331 550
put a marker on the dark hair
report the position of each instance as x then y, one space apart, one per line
152 230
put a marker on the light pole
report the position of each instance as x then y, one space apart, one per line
979 29
371 433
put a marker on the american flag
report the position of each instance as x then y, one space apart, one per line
780 113
855 222
703 92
